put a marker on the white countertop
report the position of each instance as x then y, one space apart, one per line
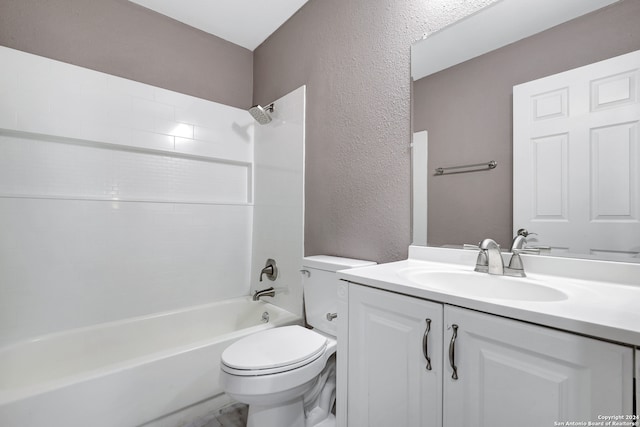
603 298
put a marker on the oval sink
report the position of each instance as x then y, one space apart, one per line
473 284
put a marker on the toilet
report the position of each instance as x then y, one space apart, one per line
287 375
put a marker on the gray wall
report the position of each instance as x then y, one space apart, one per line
121 38
467 110
354 57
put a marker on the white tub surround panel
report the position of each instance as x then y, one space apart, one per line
278 223
66 264
119 199
95 171
601 297
48 97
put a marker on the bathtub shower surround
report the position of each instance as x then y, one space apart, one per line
121 200
278 219
110 382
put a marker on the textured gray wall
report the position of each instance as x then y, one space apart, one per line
354 57
124 39
467 110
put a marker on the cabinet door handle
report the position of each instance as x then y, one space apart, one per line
425 344
452 352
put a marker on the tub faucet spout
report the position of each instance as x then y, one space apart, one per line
269 292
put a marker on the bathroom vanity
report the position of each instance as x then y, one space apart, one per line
430 342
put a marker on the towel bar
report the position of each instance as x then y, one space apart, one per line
478 167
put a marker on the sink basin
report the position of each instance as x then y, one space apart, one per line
482 285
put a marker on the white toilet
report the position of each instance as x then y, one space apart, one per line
287 375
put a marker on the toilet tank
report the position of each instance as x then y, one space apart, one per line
320 286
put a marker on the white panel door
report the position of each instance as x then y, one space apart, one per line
576 157
511 373
388 380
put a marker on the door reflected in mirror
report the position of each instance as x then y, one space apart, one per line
467 113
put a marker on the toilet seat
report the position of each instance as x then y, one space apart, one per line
273 351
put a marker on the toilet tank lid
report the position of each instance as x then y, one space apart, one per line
333 263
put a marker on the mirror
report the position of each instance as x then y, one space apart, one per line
463 78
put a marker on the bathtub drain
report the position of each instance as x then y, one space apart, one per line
265 317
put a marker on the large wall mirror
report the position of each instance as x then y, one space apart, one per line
463 78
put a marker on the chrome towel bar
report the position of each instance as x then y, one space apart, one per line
477 167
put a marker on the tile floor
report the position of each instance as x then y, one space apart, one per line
231 416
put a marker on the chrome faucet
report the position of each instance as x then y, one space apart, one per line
520 244
268 292
490 258
520 241
270 270
516 268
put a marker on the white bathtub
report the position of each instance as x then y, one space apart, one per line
126 373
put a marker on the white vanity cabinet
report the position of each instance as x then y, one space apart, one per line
388 380
508 372
514 373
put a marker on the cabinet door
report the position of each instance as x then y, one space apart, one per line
513 373
388 380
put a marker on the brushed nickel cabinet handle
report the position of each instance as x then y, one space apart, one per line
425 344
452 352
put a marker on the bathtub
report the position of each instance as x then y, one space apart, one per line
130 372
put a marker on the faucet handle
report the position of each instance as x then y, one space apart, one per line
524 233
515 268
520 240
270 270
516 261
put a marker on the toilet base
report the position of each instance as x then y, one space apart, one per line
287 414
330 421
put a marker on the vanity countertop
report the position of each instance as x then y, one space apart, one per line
603 298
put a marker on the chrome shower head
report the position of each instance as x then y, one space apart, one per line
261 115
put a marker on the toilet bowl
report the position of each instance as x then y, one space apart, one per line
273 372
287 375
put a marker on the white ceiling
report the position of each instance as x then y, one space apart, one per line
244 22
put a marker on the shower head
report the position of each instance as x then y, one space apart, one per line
261 115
